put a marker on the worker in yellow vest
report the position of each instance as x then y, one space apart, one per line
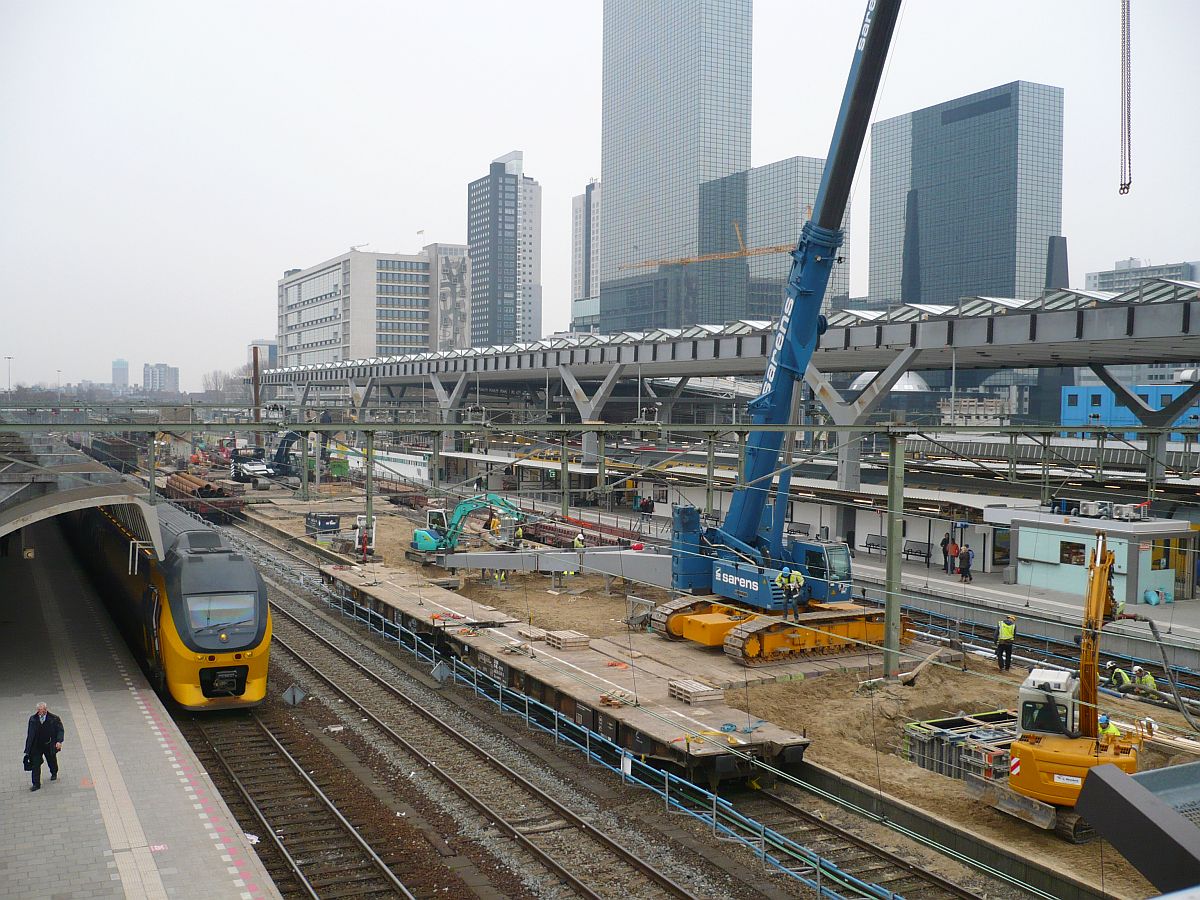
1144 680
1118 678
792 585
1006 634
1109 731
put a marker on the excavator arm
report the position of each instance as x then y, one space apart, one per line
1099 607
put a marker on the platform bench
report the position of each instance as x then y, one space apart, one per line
918 548
876 542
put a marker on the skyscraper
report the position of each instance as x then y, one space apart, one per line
760 208
675 114
966 197
120 375
504 236
585 258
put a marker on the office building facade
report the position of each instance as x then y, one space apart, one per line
504 215
362 304
966 197
159 378
268 353
120 375
450 283
585 258
676 93
761 210
1129 273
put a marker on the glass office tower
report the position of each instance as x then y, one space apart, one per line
966 195
675 114
769 205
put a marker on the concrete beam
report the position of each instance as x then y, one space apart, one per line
869 398
1155 418
448 402
589 407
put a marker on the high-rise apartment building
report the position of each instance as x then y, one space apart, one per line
120 375
1129 273
966 197
675 114
504 237
360 304
159 378
585 258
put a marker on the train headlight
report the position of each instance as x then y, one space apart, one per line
224 638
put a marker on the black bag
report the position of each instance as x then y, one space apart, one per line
28 763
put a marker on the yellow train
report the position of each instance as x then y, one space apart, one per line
198 620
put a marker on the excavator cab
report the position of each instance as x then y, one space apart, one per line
1047 699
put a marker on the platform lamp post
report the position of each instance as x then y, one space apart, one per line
10 359
59 371
895 540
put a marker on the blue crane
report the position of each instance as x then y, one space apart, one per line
727 558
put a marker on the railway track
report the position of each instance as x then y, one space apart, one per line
835 844
326 856
851 853
593 863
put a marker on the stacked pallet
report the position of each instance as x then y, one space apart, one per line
567 640
692 692
532 633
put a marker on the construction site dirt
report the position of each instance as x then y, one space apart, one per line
855 731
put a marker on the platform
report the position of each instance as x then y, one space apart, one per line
133 813
1038 610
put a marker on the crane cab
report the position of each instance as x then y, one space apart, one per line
825 566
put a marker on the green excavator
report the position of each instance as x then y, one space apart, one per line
441 534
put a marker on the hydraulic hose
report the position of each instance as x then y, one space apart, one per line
1180 705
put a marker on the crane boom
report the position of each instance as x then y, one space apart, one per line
800 323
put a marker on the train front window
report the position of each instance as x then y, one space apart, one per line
838 559
229 612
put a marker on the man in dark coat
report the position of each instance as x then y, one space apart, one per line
44 738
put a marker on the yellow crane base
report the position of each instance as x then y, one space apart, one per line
752 637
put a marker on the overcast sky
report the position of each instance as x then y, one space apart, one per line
162 163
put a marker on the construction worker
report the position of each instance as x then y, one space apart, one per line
1118 678
1108 730
1006 633
578 543
518 534
792 584
1144 680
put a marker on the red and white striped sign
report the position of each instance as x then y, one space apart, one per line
1014 766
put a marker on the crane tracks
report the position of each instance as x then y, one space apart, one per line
591 862
326 855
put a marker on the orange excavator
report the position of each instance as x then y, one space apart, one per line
1059 738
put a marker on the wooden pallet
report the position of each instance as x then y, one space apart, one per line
692 692
532 633
568 640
